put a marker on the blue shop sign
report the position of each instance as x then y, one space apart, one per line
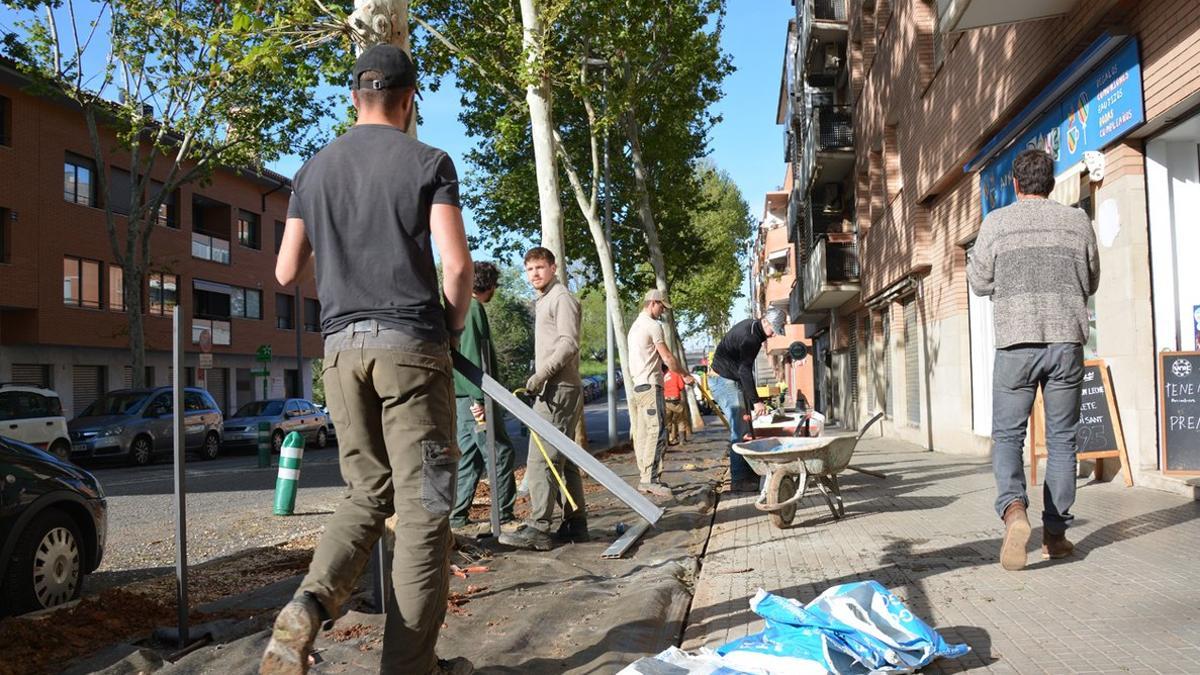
1105 106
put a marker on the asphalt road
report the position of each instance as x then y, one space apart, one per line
229 505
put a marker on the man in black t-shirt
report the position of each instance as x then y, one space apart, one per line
365 212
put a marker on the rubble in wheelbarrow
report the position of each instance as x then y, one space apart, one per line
849 629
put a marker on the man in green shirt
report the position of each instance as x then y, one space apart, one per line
472 436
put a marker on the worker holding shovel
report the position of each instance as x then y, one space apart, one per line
557 390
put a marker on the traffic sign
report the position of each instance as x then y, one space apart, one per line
263 354
206 361
206 342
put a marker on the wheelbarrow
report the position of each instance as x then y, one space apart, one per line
793 465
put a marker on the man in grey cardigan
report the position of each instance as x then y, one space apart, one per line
1038 261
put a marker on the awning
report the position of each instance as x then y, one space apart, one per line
212 286
1071 76
781 254
958 15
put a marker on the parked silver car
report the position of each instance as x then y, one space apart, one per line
284 415
137 424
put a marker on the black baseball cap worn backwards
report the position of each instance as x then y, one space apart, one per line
395 68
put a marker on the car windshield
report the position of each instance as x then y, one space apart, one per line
260 409
115 404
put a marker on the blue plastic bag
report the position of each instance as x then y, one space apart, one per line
852 628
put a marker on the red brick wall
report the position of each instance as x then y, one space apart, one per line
941 114
49 228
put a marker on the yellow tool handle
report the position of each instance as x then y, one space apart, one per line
538 442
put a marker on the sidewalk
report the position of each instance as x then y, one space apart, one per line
1128 601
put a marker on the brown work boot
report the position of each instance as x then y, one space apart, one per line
1056 546
292 639
1016 537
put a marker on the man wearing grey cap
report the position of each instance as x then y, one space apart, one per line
647 354
731 382
366 212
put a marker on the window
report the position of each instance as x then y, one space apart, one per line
5 121
283 311
81 283
120 183
164 293
168 210
206 247
210 300
5 237
78 184
278 235
248 230
116 288
246 303
312 315
194 402
219 331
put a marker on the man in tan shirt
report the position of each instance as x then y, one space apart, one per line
558 397
647 353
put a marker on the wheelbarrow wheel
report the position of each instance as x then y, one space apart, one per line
782 487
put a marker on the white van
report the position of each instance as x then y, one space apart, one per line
34 415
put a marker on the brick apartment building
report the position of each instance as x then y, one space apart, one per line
772 276
943 93
62 320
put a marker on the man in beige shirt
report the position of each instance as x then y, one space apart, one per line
647 353
558 397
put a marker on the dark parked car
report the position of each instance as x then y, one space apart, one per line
285 415
53 524
137 424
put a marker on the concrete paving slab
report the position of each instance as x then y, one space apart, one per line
1128 601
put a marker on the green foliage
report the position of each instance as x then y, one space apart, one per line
663 57
704 295
318 382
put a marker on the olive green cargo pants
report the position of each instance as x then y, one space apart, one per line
561 405
391 397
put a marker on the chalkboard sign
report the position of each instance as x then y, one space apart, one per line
1095 431
1179 406
1099 435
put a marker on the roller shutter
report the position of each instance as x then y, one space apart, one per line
87 386
31 375
912 365
218 387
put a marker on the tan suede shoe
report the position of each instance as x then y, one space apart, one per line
1016 537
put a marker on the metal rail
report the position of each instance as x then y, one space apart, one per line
582 458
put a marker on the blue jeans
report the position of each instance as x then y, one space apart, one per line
1058 368
728 396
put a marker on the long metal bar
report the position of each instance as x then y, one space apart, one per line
489 417
582 458
181 580
625 541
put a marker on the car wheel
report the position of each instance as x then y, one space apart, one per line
277 441
322 438
61 449
212 446
46 569
141 452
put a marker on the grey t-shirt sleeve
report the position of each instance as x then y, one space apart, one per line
294 207
445 182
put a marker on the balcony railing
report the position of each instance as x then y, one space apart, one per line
834 127
220 332
830 275
207 247
829 10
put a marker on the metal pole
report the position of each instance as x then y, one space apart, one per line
610 333
489 416
299 335
181 584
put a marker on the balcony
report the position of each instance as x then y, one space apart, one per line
834 128
778 288
828 10
830 275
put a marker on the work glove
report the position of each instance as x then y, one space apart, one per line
535 383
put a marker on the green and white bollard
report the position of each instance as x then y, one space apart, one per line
288 479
